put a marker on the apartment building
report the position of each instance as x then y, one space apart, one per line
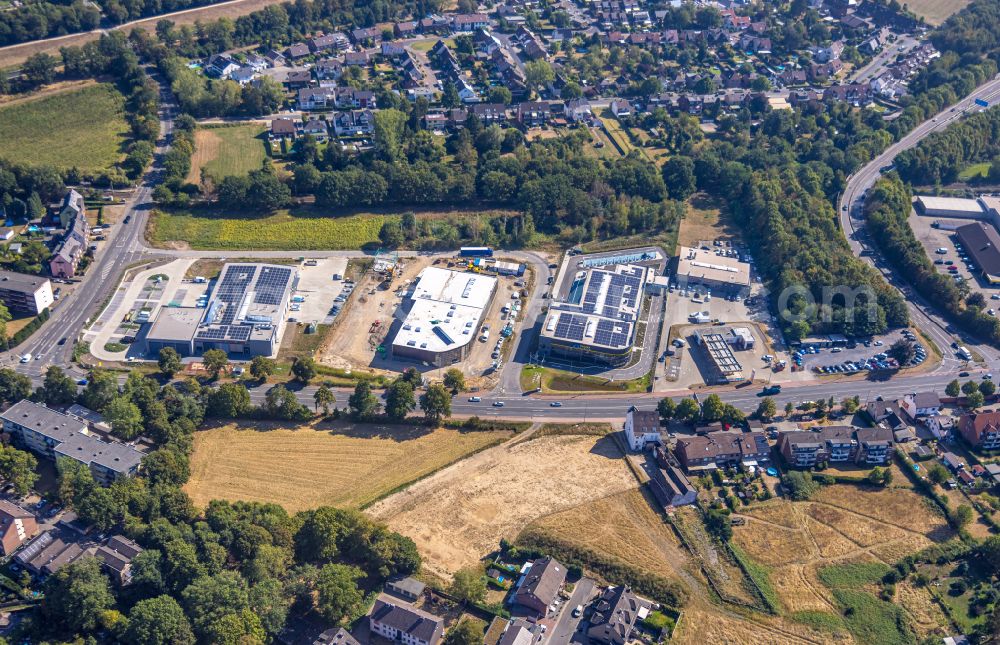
836 444
25 294
52 434
981 429
401 622
722 449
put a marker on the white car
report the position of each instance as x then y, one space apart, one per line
26 358
475 399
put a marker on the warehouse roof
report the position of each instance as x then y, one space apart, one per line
982 242
953 204
706 265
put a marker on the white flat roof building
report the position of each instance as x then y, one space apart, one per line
950 207
698 266
441 317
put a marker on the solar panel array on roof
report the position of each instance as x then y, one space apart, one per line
571 326
612 334
270 285
232 288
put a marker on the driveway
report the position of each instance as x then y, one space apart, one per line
565 631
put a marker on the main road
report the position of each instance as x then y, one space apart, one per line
127 246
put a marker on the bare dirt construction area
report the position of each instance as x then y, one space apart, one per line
459 514
337 464
840 524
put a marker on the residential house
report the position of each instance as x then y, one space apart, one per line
349 97
48 553
952 461
466 91
282 128
859 93
642 428
335 41
406 29
367 35
357 59
434 25
404 623
490 113
485 43
722 449
297 50
71 209
316 98
921 404
940 425
540 586
822 72
885 413
116 557
52 434
298 78
275 58
615 613
516 632
221 66
993 473
755 44
393 50
533 113
621 108
17 526
244 75
330 69
578 110
469 22
354 123
669 484
67 256
874 446
317 129
981 429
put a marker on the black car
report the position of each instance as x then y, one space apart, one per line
963 374
62 341
128 218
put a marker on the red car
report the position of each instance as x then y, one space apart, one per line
953 269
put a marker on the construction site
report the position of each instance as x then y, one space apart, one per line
431 312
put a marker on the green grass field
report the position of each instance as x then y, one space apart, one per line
84 128
282 230
975 172
228 151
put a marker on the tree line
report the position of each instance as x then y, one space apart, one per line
233 572
940 157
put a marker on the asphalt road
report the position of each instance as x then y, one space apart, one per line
565 629
126 246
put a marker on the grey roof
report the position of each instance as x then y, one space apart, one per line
517 633
614 616
21 282
983 243
927 400
339 636
543 580
645 420
407 619
69 432
407 585
873 435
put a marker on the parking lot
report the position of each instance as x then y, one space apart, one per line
319 290
947 255
856 357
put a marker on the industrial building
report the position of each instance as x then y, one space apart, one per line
55 435
949 207
596 321
244 317
440 317
713 271
25 294
982 242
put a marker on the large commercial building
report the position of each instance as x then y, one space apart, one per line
949 207
982 242
596 321
244 317
53 435
712 270
25 294
441 316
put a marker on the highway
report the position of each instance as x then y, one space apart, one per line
127 246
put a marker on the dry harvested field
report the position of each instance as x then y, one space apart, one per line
459 514
705 624
840 524
936 11
622 526
339 464
16 54
705 221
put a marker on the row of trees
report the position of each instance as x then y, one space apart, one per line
940 157
232 573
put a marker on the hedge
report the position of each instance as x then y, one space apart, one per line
29 329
